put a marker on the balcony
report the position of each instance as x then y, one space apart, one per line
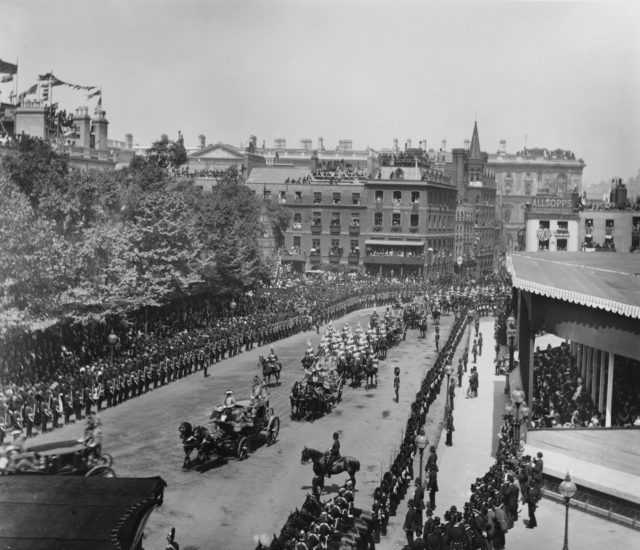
316 229
394 260
335 229
298 257
396 228
354 230
377 228
414 228
353 258
314 257
334 258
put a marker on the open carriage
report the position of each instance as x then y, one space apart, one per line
58 458
234 430
316 394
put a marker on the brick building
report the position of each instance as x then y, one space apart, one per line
476 209
527 174
394 217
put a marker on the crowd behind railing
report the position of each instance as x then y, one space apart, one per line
394 251
186 172
562 400
628 206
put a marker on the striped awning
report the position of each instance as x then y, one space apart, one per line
610 281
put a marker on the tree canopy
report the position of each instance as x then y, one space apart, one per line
89 245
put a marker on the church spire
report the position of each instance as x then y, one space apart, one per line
474 149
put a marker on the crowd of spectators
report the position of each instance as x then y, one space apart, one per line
403 158
68 370
188 173
627 206
561 399
405 252
339 171
300 180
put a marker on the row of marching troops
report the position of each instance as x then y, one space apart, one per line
42 407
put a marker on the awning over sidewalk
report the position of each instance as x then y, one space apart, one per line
50 512
383 242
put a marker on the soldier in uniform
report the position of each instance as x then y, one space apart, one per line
134 383
334 453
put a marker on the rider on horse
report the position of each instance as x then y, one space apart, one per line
333 453
272 357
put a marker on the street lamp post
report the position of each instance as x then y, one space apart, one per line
517 397
448 369
567 490
112 338
421 443
511 337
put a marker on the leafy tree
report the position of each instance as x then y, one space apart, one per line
167 154
36 168
280 218
36 265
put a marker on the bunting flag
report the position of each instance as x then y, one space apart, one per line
52 80
8 68
94 94
5 79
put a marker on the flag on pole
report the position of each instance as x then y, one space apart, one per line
30 91
8 68
94 94
5 79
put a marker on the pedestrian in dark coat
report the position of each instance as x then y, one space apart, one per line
409 523
432 487
533 495
450 429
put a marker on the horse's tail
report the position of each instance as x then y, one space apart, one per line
356 465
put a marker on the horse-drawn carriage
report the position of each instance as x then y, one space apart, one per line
316 394
234 429
73 458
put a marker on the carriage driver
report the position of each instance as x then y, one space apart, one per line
334 453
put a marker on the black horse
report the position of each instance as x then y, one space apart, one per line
197 439
346 464
371 372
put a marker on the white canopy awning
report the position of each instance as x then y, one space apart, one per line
383 242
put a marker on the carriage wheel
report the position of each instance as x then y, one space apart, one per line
274 430
243 449
100 471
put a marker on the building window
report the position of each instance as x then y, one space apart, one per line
298 197
317 218
397 198
561 245
355 247
296 243
609 223
395 220
315 245
377 219
336 198
297 220
379 196
355 218
355 198
415 197
335 219
283 197
414 220
317 198
267 195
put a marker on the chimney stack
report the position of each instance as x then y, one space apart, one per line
408 143
320 144
306 144
503 146
83 122
467 144
395 145
203 141
443 147
128 138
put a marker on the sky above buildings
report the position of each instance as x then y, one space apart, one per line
544 74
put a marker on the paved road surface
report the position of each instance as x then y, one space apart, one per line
233 505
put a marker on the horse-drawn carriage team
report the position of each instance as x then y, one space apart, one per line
342 355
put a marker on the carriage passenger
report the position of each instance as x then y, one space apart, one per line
229 400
